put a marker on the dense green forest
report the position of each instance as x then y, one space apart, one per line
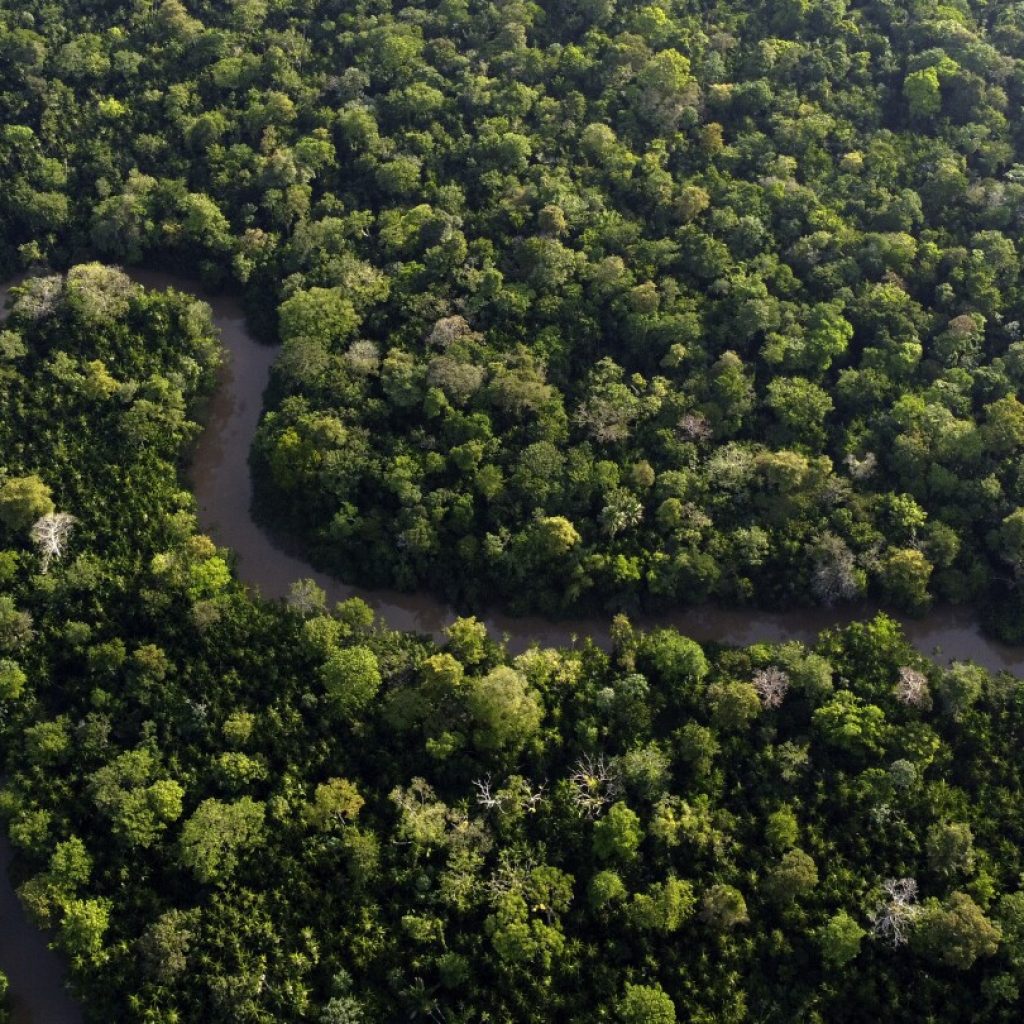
232 810
599 302
602 304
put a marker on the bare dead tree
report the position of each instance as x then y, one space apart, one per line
532 797
517 791
772 685
484 797
606 418
523 793
894 917
39 297
692 426
912 688
447 330
50 534
886 817
835 577
596 782
306 597
363 357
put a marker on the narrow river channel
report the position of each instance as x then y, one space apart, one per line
221 482
220 479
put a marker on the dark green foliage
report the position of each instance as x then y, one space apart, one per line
603 303
599 305
231 810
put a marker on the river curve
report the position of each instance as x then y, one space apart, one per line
222 486
220 478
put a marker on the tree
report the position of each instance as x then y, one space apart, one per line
139 804
336 802
606 890
665 906
97 294
319 314
772 685
12 679
732 394
24 500
665 89
840 939
467 640
622 511
596 782
733 704
617 835
351 677
836 576
645 1004
921 89
520 940
783 829
505 711
851 724
216 834
1003 431
676 659
960 687
342 1009
165 944
1010 916
828 335
307 597
611 407
794 876
50 534
84 924
955 931
1009 540
552 537
70 865
904 576
894 917
801 408
723 907
698 746
912 688
950 847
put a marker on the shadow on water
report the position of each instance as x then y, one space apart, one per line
38 976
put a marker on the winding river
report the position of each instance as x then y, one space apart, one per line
221 482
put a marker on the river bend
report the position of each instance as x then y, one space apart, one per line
221 481
222 485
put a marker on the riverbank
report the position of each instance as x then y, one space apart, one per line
222 485
220 477
38 976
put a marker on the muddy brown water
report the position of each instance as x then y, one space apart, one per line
221 482
220 479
